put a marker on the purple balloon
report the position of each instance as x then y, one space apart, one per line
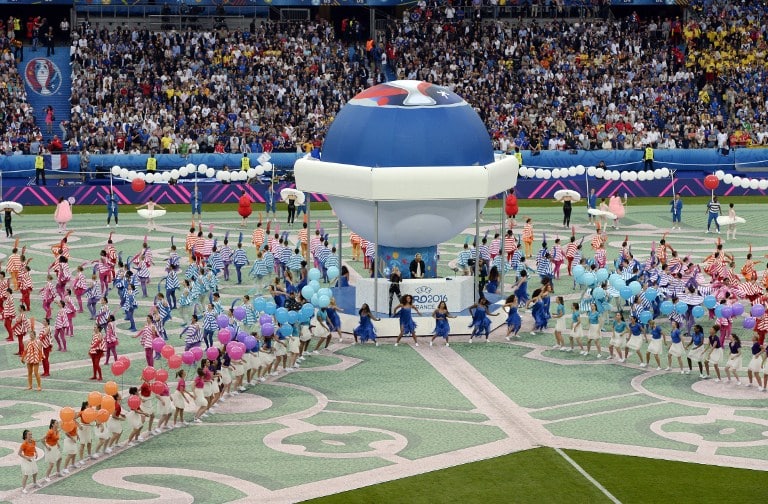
241 336
222 320
265 319
737 309
727 311
757 310
250 342
212 353
749 322
158 344
224 336
239 313
267 329
197 353
188 358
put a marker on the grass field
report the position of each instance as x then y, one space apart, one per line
542 475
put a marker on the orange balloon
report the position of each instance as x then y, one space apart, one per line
108 403
67 414
88 415
69 426
102 416
110 388
94 399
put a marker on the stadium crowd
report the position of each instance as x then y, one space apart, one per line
544 84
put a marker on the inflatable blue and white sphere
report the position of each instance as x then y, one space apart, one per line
418 149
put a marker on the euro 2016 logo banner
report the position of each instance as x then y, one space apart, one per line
43 76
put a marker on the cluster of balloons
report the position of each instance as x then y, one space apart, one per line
100 408
121 365
596 279
139 179
593 171
735 181
317 296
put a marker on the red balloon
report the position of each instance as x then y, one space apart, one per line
134 402
118 368
168 351
126 361
711 182
158 387
138 185
174 361
148 374
161 375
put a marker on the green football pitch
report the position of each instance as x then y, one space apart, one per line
465 423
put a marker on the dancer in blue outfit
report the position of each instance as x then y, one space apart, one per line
481 324
442 328
514 322
365 331
404 312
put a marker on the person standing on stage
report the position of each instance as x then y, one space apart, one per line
713 212
677 210
197 206
417 267
591 205
112 208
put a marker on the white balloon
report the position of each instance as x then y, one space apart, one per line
615 175
641 176
633 176
547 174
115 171
140 175
624 176
745 183
225 176
210 172
251 172
736 181
202 169
592 171
719 174
166 176
175 174
555 173
220 175
191 167
607 174
266 165
754 184
763 184
665 172
580 170
539 173
237 176
728 178
150 178
259 170
653 174
572 171
124 172
599 172
183 171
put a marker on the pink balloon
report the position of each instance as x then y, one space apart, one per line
148 374
158 344
236 352
224 336
134 402
188 358
161 375
212 353
197 353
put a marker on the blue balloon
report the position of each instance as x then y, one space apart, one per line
270 308
606 306
645 316
308 309
315 299
315 274
718 311
710 301
613 278
325 291
598 293
698 311
667 307
601 275
323 301
333 272
588 279
651 294
681 308
259 304
281 315
306 292
636 287
304 318
625 292
293 317
315 285
578 270
286 330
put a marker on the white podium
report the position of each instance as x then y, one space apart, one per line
427 293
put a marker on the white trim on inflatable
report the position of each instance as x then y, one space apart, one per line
406 183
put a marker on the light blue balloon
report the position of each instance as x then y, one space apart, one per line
588 279
293 317
306 292
710 301
308 309
315 299
303 317
270 307
323 301
259 304
315 285
681 308
325 291
645 316
625 292
718 311
601 275
578 270
281 315
598 293
285 330
698 311
651 294
333 272
667 307
636 287
315 274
